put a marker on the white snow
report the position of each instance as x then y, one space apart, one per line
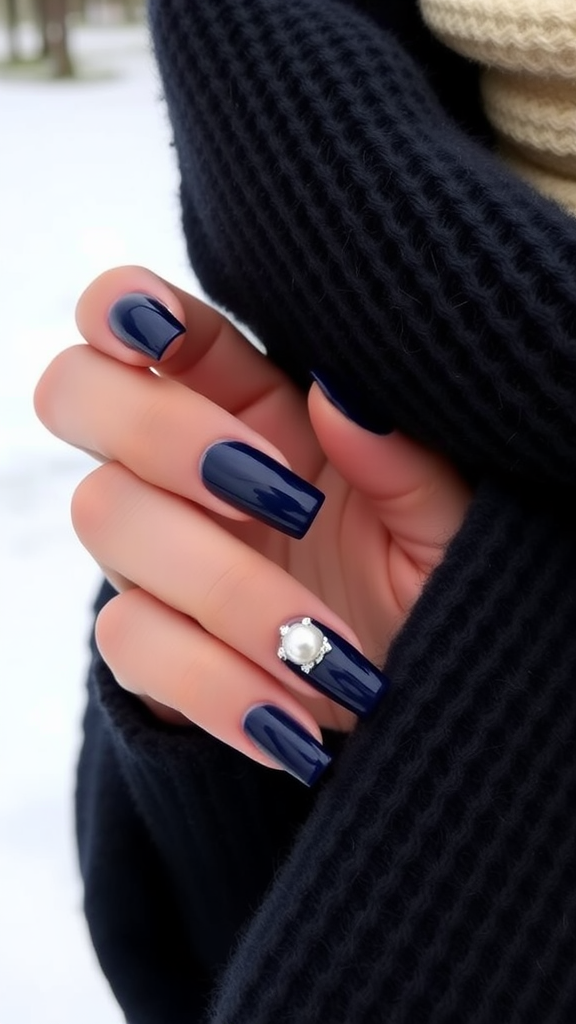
87 181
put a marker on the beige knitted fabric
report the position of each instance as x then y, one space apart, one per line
528 48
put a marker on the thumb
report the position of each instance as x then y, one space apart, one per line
417 495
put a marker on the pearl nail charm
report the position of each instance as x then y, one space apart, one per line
303 644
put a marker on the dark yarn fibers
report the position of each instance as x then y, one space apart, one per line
339 195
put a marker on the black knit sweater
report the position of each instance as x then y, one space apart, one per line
339 196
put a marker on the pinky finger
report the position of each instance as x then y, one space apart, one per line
168 659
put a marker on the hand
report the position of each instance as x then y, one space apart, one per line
203 586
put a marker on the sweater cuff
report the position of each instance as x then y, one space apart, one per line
191 793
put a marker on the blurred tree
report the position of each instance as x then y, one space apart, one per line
54 31
42 28
12 28
51 20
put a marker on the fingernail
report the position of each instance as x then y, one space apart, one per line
353 406
331 665
283 738
254 483
144 324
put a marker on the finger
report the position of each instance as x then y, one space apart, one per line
417 495
158 653
205 345
173 438
172 550
212 357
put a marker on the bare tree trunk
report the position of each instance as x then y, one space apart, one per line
12 26
41 16
54 31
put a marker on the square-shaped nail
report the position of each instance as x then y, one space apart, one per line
280 736
144 324
255 483
331 665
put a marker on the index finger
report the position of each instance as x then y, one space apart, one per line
198 346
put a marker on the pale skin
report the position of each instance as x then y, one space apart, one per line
203 589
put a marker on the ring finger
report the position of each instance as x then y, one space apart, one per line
192 564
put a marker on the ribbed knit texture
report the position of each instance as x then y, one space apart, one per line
314 159
335 200
529 84
539 35
435 881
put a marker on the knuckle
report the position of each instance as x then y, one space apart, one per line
96 502
47 394
86 503
231 586
150 423
194 672
110 628
196 678
118 632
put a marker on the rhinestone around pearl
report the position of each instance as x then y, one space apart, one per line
302 642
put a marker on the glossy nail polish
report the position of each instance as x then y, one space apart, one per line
278 734
353 406
143 323
254 483
331 665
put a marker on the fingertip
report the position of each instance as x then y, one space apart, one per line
132 315
344 434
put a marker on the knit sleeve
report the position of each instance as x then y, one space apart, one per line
436 878
132 911
334 204
178 837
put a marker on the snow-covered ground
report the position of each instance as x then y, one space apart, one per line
86 182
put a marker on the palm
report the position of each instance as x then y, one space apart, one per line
348 558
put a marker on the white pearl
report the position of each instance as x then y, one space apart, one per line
302 644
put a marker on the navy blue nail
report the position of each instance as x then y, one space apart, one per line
331 665
277 734
254 483
144 324
353 406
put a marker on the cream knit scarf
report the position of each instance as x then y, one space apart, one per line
528 49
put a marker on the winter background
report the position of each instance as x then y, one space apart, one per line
87 181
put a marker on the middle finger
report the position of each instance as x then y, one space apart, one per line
177 440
